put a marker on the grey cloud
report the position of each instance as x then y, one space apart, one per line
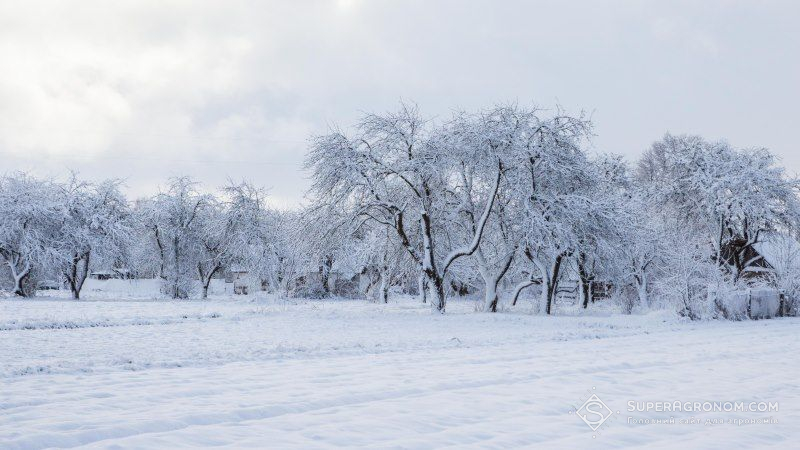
145 90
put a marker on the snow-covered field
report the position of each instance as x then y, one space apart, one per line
267 373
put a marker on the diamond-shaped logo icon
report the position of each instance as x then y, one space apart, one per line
594 412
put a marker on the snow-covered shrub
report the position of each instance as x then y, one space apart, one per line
692 276
627 298
728 300
310 289
792 307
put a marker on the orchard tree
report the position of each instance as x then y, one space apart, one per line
550 192
96 223
506 132
289 264
30 221
176 225
329 236
212 245
249 229
732 196
395 170
605 227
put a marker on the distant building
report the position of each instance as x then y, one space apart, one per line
103 275
240 279
111 274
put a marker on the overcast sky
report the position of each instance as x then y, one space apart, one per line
149 89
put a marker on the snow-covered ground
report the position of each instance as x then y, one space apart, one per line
268 373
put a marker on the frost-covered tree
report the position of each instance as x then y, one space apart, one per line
731 196
784 252
395 170
691 276
507 132
96 223
212 241
642 254
174 219
253 233
30 221
286 259
551 191
383 262
328 236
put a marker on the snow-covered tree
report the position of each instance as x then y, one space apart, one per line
95 224
174 218
212 241
286 258
731 196
506 132
551 191
395 171
252 233
30 221
642 255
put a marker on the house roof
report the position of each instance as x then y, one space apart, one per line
104 272
781 251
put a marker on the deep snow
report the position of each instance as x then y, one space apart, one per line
268 373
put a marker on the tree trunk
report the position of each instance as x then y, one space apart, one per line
490 297
422 285
324 275
384 292
585 281
436 290
552 284
176 290
72 277
492 280
163 259
206 278
641 288
586 293
79 271
19 285
435 280
83 274
489 283
20 275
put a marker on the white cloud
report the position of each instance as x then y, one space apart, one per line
680 30
234 89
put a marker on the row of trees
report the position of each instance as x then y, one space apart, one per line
501 201
51 230
48 226
509 197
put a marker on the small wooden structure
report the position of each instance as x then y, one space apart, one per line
241 280
111 274
103 274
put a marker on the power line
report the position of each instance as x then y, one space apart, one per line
254 138
152 159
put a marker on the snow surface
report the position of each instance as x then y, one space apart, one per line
269 373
